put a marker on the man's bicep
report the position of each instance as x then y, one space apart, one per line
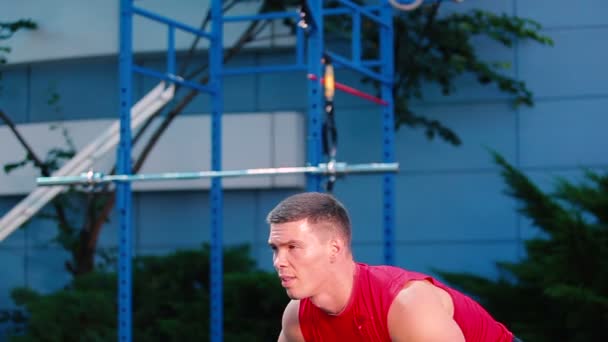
290 325
282 337
417 314
289 336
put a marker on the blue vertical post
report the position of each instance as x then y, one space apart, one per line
123 189
299 45
171 50
217 102
315 99
356 37
388 132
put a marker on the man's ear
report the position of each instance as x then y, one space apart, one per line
336 246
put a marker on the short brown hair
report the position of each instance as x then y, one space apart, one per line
316 207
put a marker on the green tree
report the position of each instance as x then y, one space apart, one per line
431 48
170 303
559 290
8 29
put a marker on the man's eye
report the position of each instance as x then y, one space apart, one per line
292 247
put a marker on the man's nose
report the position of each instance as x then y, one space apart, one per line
279 259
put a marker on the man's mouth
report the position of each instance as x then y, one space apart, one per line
286 281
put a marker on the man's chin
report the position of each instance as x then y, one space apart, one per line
293 294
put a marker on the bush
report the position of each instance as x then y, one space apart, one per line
559 290
170 302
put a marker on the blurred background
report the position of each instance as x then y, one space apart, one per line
500 121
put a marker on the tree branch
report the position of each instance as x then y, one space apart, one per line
243 40
43 167
197 39
28 149
90 236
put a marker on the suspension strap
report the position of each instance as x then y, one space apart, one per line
330 131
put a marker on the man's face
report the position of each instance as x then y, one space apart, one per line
301 257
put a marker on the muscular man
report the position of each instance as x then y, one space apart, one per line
335 298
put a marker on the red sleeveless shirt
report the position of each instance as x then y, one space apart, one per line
365 316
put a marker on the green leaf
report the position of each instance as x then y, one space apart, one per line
10 167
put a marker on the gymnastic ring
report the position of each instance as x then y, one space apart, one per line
405 7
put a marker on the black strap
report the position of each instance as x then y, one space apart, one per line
330 135
330 132
330 140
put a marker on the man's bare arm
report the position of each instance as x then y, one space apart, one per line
290 326
419 315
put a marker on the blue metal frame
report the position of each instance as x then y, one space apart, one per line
124 198
340 60
365 10
388 131
315 92
314 40
217 199
123 190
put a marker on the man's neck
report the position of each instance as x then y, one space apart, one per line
337 290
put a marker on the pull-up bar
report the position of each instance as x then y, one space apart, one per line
337 169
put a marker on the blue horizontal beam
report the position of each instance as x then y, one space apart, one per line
336 11
373 8
173 78
262 16
371 63
345 10
363 10
263 69
337 59
170 22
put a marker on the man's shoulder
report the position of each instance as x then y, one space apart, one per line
420 313
292 313
382 268
291 322
390 273
387 274
384 283
422 293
